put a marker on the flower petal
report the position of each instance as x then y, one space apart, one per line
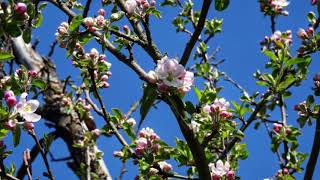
31 117
33 105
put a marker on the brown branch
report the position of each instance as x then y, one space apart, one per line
86 9
44 157
314 152
22 171
196 148
27 162
202 19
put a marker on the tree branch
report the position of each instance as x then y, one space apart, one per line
314 152
202 19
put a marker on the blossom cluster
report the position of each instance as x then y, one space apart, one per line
302 109
219 107
62 34
23 108
164 166
306 34
102 73
170 75
274 7
278 40
147 142
220 170
95 23
308 40
138 6
277 128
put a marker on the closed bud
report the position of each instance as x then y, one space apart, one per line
28 126
21 8
11 101
102 12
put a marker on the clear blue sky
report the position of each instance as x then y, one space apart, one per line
244 26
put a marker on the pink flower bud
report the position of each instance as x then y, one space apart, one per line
88 21
310 31
32 73
225 114
21 8
28 126
152 3
96 132
62 30
104 77
117 153
78 46
102 58
302 34
92 29
19 71
215 177
156 147
109 73
277 127
11 124
8 94
105 84
230 175
146 5
131 122
314 2
163 87
126 28
101 12
11 101
94 53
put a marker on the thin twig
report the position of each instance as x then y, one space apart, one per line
44 157
86 9
27 162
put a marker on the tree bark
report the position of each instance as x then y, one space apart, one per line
68 125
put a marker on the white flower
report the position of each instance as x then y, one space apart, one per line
164 166
131 5
195 126
219 168
26 108
280 3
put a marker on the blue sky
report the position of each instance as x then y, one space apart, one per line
243 28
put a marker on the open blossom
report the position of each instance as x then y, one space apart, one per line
220 169
194 126
274 7
169 73
164 166
26 109
138 6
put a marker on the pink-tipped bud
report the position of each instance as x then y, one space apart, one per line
21 8
104 77
152 3
105 84
92 29
32 73
117 153
102 12
19 71
8 94
226 114
215 177
146 5
126 28
109 73
94 53
78 46
277 127
28 126
11 125
102 58
131 122
230 175
96 132
310 31
11 101
88 21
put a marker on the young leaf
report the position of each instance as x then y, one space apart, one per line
149 96
16 136
4 56
221 5
75 23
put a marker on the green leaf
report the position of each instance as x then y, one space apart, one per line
42 6
296 60
271 55
39 83
198 93
149 96
221 5
38 20
16 136
26 35
4 56
117 113
75 23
